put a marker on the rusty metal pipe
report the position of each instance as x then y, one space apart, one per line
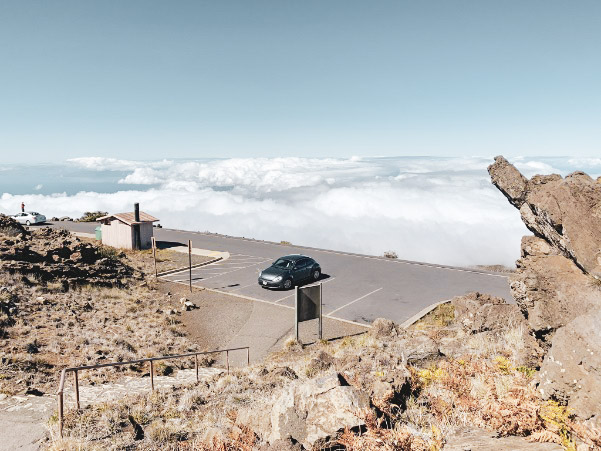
151 360
60 414
76 389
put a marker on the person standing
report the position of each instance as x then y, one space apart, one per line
22 207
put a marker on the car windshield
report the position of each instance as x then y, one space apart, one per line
283 263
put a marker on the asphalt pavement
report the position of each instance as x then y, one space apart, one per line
357 288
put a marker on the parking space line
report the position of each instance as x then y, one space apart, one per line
245 286
229 272
289 296
356 300
197 277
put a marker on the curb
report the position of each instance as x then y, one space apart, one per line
415 318
198 265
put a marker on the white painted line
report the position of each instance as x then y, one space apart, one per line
228 272
289 296
352 302
196 278
245 286
248 298
228 267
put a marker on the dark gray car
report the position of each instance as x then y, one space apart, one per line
290 270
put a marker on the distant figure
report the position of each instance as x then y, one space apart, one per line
22 207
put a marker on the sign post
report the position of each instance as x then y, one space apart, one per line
296 312
307 306
154 256
190 263
320 311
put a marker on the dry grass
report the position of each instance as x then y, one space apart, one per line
51 329
485 391
442 316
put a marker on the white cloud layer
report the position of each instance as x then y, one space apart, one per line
440 210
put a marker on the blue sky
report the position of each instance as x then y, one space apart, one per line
191 79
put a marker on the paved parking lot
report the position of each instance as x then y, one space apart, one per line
357 288
389 292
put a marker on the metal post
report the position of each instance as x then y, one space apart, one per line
60 414
137 236
227 361
154 256
190 262
76 389
247 356
296 312
320 311
196 366
151 376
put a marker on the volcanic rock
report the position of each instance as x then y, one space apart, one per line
55 255
557 284
550 289
572 369
566 212
309 412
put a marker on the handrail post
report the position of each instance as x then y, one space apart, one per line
60 413
151 376
227 361
196 366
76 389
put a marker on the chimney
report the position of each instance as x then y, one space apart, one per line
137 237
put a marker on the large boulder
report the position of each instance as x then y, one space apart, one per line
477 313
566 212
10 228
571 370
557 284
307 411
550 289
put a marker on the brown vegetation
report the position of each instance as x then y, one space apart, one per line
417 408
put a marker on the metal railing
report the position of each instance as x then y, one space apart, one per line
75 370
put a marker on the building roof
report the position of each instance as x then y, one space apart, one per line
129 219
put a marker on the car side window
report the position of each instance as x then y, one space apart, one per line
302 263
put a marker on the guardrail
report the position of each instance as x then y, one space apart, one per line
75 370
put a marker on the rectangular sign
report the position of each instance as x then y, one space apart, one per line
308 305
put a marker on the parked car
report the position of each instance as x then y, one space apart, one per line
29 217
288 271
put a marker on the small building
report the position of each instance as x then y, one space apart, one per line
121 229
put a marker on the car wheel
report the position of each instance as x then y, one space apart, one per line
316 274
28 222
287 284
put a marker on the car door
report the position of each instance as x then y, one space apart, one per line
302 269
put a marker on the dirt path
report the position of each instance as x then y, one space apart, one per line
23 418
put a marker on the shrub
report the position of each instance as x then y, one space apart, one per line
91 216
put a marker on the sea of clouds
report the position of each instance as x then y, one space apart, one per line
439 210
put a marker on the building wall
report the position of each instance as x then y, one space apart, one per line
117 234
